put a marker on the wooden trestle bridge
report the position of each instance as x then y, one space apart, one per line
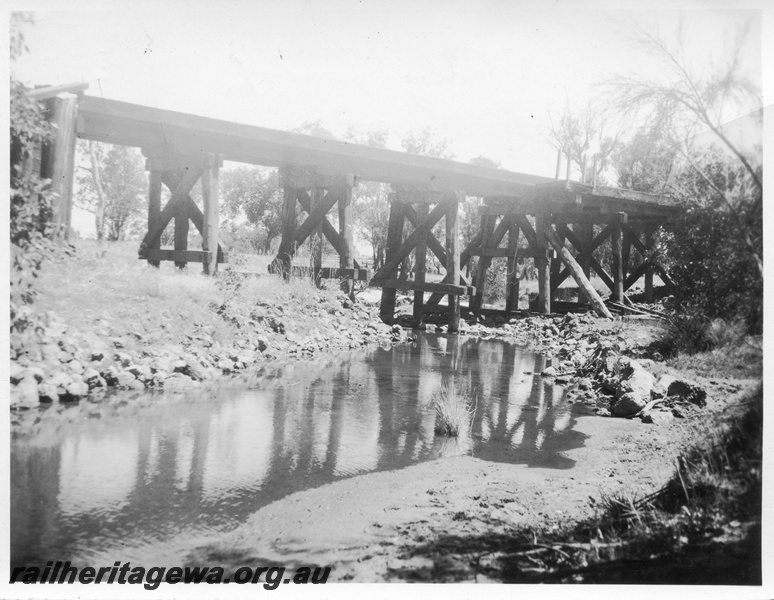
318 174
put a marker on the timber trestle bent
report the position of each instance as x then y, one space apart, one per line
556 224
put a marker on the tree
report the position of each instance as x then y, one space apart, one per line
694 100
114 188
254 194
371 199
647 161
31 199
586 138
422 143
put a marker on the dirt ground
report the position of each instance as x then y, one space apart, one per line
445 520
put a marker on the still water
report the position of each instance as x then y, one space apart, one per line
144 487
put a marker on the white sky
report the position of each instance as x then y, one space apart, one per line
482 74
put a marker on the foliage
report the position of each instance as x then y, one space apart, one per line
423 143
371 199
714 273
584 136
691 99
114 187
646 162
31 200
254 194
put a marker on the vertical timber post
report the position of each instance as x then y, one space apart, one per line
453 259
617 265
287 248
556 266
65 108
586 237
346 258
154 209
487 229
649 273
181 232
512 277
394 238
211 226
316 238
626 250
420 263
542 263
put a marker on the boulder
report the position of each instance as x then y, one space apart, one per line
657 417
93 379
128 380
75 366
628 405
689 391
110 375
26 393
141 372
47 392
178 382
159 377
634 380
16 372
60 380
662 385
123 359
548 372
74 392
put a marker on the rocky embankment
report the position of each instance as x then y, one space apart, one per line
66 366
601 364
604 366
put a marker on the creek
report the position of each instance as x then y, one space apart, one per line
145 485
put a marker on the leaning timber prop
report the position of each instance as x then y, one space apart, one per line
584 285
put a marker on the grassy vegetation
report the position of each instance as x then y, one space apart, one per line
454 408
159 305
710 348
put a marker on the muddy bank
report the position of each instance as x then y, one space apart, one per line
438 521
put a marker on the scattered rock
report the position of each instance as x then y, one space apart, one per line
47 393
177 382
635 380
74 392
628 405
688 391
657 417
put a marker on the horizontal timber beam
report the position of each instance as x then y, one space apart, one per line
180 255
517 252
339 273
442 288
117 122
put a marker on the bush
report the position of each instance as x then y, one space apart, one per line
31 201
454 409
712 268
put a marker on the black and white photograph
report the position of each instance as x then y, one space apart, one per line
305 295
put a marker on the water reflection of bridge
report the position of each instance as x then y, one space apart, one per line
205 466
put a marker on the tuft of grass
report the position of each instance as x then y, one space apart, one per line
454 408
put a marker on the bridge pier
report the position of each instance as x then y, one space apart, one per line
316 195
412 204
180 172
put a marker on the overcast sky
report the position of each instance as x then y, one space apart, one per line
482 74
